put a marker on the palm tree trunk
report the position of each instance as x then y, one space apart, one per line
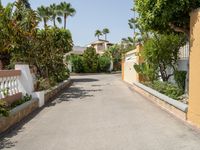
106 37
54 22
65 20
45 23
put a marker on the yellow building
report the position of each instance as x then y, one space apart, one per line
100 46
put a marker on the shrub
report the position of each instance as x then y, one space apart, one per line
162 51
45 83
104 63
90 60
5 108
25 99
180 77
4 111
147 72
166 88
77 63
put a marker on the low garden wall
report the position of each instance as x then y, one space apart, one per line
23 110
173 106
17 114
49 94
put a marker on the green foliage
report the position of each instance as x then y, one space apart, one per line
77 63
44 84
140 34
21 41
90 60
180 77
44 13
105 32
4 111
25 99
97 34
50 47
6 33
115 54
54 13
104 63
166 88
25 3
5 108
66 10
161 52
126 45
165 15
147 72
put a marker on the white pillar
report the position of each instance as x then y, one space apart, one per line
111 65
26 83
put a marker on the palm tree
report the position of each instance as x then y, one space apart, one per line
44 13
66 10
6 34
54 11
25 3
98 33
105 32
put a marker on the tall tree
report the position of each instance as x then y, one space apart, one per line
54 12
6 33
66 10
98 33
44 13
162 51
105 32
24 3
166 15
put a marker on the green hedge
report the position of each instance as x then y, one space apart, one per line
104 64
90 62
77 63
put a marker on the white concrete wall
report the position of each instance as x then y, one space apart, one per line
183 64
130 75
26 81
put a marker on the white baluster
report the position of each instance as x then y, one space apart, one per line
7 86
10 86
16 84
1 82
3 87
13 85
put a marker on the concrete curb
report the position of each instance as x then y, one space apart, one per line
181 106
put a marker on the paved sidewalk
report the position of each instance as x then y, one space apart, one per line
99 112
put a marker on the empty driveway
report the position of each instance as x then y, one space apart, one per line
100 112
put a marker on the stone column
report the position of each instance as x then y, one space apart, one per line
194 72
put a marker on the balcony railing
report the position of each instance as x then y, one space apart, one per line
9 86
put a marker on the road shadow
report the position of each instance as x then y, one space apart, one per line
85 80
75 92
5 137
6 143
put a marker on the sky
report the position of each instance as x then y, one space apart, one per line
92 15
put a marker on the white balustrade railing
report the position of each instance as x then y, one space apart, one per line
9 82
